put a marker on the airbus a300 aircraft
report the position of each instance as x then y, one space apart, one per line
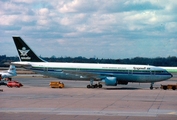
8 73
110 74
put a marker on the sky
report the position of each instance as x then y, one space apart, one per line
113 29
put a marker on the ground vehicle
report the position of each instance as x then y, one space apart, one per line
56 84
14 84
170 86
2 83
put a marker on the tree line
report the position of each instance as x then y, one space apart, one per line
158 61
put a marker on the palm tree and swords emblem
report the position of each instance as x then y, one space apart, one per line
23 51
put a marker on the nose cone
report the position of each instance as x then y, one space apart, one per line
171 75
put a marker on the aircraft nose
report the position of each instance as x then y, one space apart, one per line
170 75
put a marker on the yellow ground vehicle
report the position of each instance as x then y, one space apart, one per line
56 84
170 86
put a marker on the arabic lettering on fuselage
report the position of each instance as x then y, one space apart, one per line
124 68
141 68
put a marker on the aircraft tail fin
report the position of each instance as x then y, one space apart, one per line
25 52
12 70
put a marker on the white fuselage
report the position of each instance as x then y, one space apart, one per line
87 71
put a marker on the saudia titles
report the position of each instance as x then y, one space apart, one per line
141 68
23 53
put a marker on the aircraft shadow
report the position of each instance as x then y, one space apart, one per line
124 88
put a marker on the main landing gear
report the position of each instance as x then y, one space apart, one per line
91 85
151 87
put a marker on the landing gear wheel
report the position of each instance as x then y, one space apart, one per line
174 88
151 87
95 86
100 86
91 85
88 86
165 87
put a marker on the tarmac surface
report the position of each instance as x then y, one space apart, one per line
37 101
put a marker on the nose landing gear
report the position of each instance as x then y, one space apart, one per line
151 87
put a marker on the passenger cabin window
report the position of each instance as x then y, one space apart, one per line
141 72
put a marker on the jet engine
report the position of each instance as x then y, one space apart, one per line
110 81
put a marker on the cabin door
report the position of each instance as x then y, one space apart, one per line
45 69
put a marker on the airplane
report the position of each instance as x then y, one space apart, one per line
8 73
109 74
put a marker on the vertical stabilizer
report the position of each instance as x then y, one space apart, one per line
12 70
25 52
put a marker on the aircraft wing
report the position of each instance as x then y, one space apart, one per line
83 74
21 64
93 75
